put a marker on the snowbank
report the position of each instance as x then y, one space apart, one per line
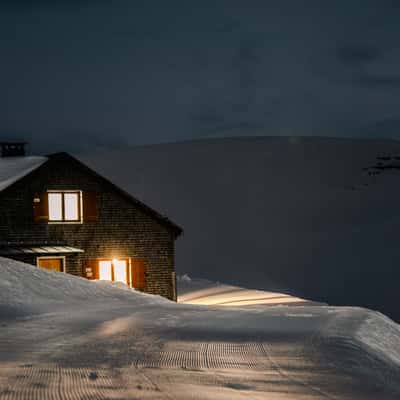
380 335
26 289
365 340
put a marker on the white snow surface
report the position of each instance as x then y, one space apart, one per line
14 168
380 336
65 337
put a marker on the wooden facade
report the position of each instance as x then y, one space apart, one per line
113 234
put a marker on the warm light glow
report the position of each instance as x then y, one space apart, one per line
115 270
120 274
223 295
105 270
55 206
71 209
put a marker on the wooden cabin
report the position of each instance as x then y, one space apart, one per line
57 213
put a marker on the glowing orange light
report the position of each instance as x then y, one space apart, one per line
120 271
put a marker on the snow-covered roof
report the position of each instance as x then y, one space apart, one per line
39 249
14 168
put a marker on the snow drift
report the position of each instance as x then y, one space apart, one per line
356 338
296 215
27 290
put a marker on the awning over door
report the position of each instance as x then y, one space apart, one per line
44 250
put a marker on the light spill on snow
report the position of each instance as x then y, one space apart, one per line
204 292
117 326
14 168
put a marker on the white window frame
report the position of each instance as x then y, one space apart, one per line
80 209
63 258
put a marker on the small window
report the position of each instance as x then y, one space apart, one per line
64 206
71 206
55 207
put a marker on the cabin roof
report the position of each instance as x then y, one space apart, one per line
12 169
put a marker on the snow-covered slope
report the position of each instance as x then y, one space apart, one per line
103 341
296 215
363 338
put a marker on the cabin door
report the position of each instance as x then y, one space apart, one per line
51 263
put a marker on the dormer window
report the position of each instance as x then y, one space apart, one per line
64 206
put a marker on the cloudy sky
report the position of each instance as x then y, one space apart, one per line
81 74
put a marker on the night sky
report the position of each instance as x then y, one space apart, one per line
82 74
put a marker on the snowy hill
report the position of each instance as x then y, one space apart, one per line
296 215
76 339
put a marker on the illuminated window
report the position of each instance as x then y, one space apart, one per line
71 206
120 273
105 268
55 206
113 270
64 206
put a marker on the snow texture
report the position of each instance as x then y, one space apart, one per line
65 337
14 168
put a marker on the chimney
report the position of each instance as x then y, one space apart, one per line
12 149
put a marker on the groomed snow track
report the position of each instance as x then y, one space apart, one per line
50 381
207 355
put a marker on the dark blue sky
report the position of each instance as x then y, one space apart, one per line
77 74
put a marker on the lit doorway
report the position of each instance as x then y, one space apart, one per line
114 270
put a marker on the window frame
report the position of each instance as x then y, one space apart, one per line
63 220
